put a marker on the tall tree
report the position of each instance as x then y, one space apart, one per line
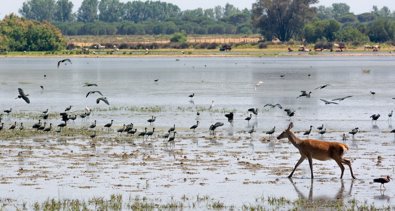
63 12
110 10
340 9
38 10
282 19
88 11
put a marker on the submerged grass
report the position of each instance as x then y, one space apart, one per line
117 202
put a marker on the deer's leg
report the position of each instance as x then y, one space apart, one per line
339 162
348 163
301 159
310 159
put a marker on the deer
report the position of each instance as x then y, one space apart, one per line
317 149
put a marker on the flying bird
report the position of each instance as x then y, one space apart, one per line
23 95
89 84
304 94
341 98
104 99
63 61
328 102
93 92
323 86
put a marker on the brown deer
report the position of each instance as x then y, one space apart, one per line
320 150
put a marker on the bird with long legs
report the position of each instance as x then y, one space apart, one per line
8 111
382 180
354 131
230 116
316 149
108 125
271 132
193 127
374 118
248 119
307 133
151 120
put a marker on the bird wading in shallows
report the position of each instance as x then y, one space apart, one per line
382 180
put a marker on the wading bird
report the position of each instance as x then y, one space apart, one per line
193 127
68 108
108 125
306 133
152 120
253 110
382 180
375 117
270 132
8 111
215 126
354 131
316 149
23 95
63 61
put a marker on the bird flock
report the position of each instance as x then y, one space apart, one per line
170 136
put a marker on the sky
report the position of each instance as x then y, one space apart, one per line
357 6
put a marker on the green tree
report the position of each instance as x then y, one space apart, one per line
27 35
283 19
381 30
351 34
179 38
321 29
110 10
63 11
340 9
88 11
325 12
38 10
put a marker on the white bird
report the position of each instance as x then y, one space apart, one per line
259 83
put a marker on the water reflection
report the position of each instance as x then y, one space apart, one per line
382 196
337 198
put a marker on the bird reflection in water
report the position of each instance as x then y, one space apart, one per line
382 196
335 200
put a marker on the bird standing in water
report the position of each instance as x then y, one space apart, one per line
382 180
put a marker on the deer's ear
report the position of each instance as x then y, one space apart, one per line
291 125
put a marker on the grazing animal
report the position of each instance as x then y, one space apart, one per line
93 92
23 96
382 180
63 61
320 150
104 99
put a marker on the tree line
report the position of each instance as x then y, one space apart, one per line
109 17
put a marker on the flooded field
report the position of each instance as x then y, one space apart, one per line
232 169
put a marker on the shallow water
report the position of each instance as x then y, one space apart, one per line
220 167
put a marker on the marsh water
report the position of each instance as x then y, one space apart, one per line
232 167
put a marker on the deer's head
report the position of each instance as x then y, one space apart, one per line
285 133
